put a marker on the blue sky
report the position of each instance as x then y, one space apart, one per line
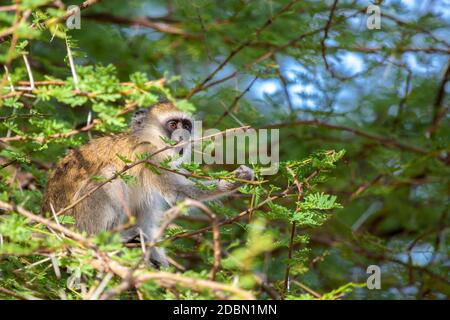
304 91
351 63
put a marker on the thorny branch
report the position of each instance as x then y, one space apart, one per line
244 213
128 108
299 186
102 261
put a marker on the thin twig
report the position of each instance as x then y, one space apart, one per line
30 73
258 31
285 89
242 214
439 109
16 295
72 65
403 100
86 4
216 234
299 186
326 29
235 102
386 141
101 287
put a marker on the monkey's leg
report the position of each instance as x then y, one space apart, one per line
103 210
157 255
129 234
149 216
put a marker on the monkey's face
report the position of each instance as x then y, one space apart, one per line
179 129
178 124
175 124
164 120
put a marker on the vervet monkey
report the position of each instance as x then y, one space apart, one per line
146 198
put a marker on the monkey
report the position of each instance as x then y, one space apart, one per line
150 193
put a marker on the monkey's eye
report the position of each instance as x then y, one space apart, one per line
187 125
172 124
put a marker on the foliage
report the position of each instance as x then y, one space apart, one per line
319 74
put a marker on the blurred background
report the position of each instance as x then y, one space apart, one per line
316 71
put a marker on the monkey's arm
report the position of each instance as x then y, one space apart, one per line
188 189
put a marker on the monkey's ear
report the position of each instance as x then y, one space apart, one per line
138 118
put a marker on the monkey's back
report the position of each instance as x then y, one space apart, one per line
73 175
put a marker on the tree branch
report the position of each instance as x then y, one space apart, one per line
266 24
439 109
386 141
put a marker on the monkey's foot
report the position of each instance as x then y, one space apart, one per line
158 258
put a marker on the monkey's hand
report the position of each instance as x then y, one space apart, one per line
240 174
221 187
244 173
